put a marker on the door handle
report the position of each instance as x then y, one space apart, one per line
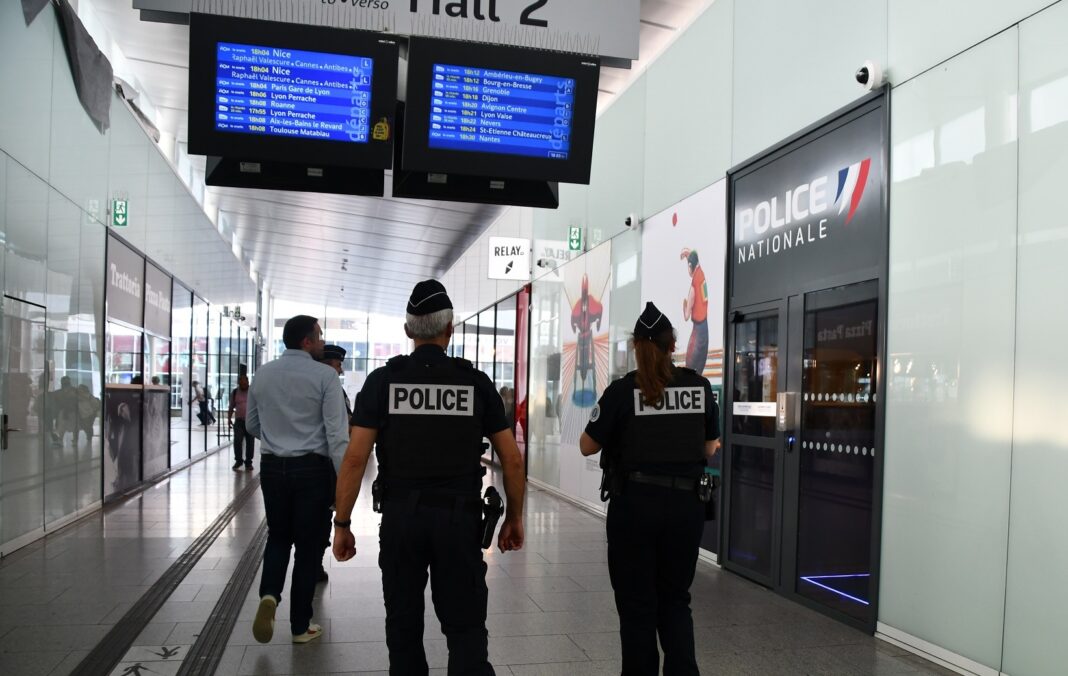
4 429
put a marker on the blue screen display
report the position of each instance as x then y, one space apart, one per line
291 93
496 111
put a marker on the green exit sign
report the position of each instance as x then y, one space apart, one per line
574 239
120 213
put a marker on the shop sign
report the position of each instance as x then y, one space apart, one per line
509 258
125 283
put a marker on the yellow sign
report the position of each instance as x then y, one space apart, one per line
381 130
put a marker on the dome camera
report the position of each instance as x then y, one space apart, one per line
870 76
630 221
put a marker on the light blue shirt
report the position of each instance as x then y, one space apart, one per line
296 406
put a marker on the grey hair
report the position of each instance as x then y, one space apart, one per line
428 327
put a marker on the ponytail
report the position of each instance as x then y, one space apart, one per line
655 368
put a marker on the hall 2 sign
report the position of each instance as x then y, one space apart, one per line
509 258
606 28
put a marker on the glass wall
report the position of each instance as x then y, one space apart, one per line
181 374
157 395
203 420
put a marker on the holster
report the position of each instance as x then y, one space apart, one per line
377 494
492 510
612 479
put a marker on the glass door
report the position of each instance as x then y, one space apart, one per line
752 490
24 421
798 501
833 467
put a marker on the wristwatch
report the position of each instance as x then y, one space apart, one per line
343 524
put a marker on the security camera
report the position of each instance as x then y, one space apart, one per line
630 221
870 76
546 263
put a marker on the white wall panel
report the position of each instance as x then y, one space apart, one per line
688 114
26 56
794 63
924 33
950 342
1035 618
618 182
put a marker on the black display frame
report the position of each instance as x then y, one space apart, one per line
417 155
206 30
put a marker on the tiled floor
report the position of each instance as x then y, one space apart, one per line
61 595
551 607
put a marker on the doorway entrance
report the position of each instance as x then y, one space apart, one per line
805 330
23 424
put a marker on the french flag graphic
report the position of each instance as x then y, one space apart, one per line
851 183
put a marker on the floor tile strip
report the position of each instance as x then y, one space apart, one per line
110 651
204 657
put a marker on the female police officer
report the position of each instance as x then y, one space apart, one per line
657 425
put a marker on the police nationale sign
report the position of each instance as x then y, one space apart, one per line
600 27
509 258
817 209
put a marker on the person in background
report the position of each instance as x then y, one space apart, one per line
243 441
296 410
658 425
334 357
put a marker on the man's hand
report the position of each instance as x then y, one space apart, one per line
511 536
344 544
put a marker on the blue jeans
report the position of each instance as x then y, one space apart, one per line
297 493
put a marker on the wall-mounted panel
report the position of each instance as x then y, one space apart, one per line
1035 620
26 63
618 180
688 119
923 33
794 64
950 346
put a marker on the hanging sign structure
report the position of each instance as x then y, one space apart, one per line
607 28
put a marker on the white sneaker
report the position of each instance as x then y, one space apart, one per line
314 632
263 625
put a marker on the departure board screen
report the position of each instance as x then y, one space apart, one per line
498 111
292 93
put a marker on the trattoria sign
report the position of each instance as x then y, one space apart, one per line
602 27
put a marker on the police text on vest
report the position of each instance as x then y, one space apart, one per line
405 399
676 401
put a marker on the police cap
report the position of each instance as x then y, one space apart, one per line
334 352
428 297
651 323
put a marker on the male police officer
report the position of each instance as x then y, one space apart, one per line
334 357
428 414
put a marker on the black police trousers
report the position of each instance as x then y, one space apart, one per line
653 537
415 537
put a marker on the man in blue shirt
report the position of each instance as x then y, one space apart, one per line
297 410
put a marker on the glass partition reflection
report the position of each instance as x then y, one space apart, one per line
197 394
181 375
156 406
123 391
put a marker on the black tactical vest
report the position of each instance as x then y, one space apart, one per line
672 431
434 419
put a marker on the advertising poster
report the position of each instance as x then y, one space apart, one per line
584 363
122 438
684 252
683 256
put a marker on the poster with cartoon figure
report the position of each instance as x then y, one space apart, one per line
683 258
584 331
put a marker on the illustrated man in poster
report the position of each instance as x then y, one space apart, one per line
695 310
585 312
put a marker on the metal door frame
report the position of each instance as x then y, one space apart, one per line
764 310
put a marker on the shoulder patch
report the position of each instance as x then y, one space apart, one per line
595 414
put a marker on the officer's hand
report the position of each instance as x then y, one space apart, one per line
344 544
511 535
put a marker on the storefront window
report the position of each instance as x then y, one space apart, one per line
124 379
203 419
181 376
